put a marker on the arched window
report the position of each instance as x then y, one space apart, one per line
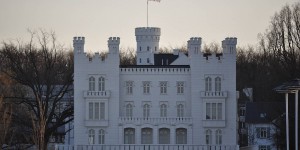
164 136
128 110
101 136
91 136
163 110
147 135
208 137
91 84
129 136
207 84
218 84
181 136
146 110
180 110
219 137
101 84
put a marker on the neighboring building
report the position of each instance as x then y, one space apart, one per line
262 122
164 99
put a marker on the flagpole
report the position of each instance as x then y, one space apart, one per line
147 13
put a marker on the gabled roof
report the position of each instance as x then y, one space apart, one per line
263 112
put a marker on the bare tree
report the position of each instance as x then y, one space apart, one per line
45 69
127 56
5 121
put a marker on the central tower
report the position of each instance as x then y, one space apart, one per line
147 39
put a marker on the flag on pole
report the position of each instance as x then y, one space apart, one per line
154 0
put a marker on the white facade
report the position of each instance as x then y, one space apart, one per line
191 100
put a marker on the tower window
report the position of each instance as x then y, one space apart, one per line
140 48
148 60
148 48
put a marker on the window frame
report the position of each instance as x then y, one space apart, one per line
180 87
129 135
208 137
101 84
219 137
181 135
91 136
146 138
96 110
101 136
218 84
92 83
180 110
146 87
163 87
128 110
163 110
214 111
146 110
208 84
129 87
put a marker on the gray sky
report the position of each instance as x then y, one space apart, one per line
97 20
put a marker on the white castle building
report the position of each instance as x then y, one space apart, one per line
164 100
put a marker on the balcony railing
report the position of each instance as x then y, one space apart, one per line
146 147
96 94
213 94
139 121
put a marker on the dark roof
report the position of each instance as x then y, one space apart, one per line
160 61
164 59
263 112
154 66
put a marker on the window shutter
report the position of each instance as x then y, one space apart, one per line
258 132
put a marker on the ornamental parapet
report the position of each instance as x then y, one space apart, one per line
213 94
96 94
155 121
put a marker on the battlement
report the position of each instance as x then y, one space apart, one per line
147 31
113 41
230 41
78 40
195 41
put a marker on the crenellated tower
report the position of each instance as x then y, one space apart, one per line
147 39
194 46
229 45
78 44
113 45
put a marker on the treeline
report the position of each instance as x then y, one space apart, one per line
276 58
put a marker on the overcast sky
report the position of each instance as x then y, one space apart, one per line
97 20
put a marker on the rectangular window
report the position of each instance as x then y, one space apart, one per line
129 87
263 132
91 110
96 110
180 87
163 87
102 111
214 111
146 87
